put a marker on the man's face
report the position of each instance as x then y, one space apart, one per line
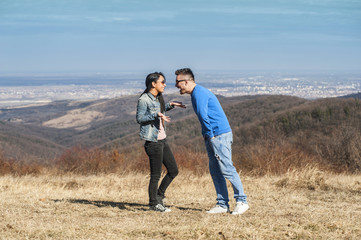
181 83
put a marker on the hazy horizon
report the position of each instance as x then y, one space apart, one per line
145 36
65 73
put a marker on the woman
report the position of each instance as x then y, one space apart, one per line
151 117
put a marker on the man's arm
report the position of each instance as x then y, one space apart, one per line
201 109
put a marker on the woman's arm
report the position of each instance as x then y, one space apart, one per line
171 105
142 115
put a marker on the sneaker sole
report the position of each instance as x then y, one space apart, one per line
239 213
217 212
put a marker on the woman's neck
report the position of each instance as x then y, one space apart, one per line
154 92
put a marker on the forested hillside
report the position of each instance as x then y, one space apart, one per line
272 134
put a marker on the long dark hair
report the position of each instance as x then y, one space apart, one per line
153 77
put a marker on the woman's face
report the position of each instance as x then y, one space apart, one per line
159 85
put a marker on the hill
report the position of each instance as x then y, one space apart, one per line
271 133
355 95
63 124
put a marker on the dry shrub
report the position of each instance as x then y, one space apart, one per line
17 168
343 150
193 161
271 158
72 185
310 177
86 161
135 160
314 179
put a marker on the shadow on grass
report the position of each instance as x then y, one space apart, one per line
189 209
120 205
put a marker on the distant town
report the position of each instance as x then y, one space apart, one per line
308 86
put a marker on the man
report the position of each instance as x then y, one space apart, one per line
218 138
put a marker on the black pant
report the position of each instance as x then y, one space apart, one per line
159 153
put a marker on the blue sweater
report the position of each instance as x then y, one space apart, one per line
210 113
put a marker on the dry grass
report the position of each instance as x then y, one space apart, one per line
307 204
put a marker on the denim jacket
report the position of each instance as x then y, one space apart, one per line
147 116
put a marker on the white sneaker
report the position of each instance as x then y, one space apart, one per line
240 208
218 209
160 208
167 209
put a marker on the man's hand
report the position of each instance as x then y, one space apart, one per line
178 104
205 137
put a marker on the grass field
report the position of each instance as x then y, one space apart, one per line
307 204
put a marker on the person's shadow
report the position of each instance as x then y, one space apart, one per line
120 205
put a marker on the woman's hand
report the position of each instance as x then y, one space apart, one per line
164 117
178 104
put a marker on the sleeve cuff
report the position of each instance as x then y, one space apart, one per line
169 106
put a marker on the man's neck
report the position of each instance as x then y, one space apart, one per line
192 88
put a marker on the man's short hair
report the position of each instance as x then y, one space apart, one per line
185 71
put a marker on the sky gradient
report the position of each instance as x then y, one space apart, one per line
133 36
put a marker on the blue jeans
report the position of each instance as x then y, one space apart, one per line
221 167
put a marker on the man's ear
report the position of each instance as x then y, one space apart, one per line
153 84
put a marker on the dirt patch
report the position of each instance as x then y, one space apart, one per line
77 119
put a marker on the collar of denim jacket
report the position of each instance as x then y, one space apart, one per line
152 96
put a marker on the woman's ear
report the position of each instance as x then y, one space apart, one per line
153 84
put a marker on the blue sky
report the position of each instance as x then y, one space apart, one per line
224 35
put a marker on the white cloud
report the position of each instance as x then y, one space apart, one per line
107 19
261 11
318 37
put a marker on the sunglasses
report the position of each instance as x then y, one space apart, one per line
163 82
178 81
